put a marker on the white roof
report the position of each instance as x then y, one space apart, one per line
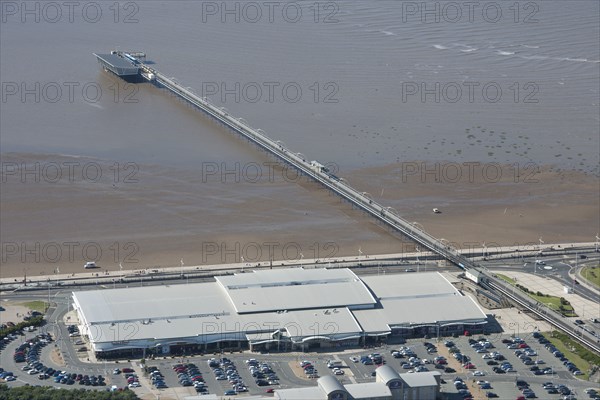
387 373
202 313
408 286
296 303
295 288
370 390
420 379
305 393
141 303
415 299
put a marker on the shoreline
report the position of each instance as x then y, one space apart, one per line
172 215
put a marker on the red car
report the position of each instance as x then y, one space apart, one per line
271 390
469 366
127 370
523 346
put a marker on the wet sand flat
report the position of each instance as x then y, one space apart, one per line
172 215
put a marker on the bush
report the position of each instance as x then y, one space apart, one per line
35 321
50 393
581 351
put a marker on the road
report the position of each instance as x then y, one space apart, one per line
561 269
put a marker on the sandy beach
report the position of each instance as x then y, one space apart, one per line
163 216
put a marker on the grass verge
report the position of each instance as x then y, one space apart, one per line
553 302
592 275
36 305
506 279
586 360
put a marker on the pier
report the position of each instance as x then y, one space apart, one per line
312 169
124 65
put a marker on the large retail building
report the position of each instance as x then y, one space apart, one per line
284 309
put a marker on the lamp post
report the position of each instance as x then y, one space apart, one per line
576 266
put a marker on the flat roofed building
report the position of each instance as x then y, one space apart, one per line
388 385
418 304
117 65
295 309
296 288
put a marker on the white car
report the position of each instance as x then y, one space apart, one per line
337 371
10 378
354 359
486 356
135 385
478 373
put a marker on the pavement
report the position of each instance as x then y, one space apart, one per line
13 312
583 307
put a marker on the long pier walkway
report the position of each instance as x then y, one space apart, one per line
117 62
314 170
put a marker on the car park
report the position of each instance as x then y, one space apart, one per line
172 378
